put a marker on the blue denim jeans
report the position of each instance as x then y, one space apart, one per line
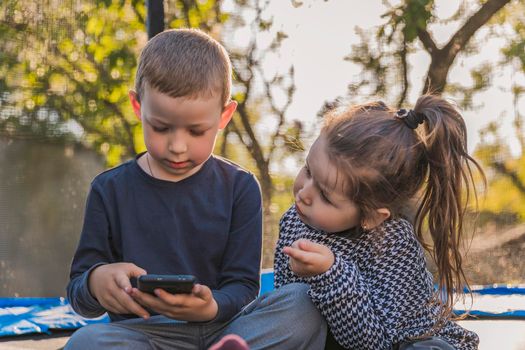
285 318
432 343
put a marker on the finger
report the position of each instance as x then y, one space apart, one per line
181 300
123 282
292 264
299 255
291 252
202 292
112 304
143 298
297 267
135 271
170 305
131 305
288 250
147 300
310 246
153 302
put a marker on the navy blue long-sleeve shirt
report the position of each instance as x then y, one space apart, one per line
208 225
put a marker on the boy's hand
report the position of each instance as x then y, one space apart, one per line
110 285
309 259
199 306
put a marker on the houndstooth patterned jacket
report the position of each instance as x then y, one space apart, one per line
378 290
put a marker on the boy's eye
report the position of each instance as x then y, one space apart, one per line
197 132
159 129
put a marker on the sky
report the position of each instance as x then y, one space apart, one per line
320 33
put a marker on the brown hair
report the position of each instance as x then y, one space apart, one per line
184 62
385 164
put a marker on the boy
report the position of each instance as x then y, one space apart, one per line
175 209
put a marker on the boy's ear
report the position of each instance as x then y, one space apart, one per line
134 99
381 215
227 114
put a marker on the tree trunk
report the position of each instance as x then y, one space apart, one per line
269 227
155 18
436 79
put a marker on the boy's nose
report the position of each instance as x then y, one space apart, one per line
177 145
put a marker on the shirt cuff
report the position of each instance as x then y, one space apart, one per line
225 309
85 295
331 277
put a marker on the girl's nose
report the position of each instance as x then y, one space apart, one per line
304 195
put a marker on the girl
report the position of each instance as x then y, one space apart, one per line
348 235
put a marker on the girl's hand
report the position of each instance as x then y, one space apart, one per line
309 259
110 285
198 306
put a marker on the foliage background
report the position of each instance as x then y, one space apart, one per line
66 68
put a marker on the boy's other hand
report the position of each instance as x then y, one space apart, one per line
309 259
110 285
198 306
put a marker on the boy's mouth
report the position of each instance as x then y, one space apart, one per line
178 165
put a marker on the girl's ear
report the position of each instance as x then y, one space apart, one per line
227 114
134 99
381 215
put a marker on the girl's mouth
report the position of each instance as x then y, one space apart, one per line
298 210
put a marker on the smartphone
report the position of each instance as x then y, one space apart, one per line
173 284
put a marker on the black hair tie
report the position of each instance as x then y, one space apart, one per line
411 118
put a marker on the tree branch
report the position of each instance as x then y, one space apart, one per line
134 5
130 145
426 40
512 175
127 127
224 145
86 126
279 112
518 122
186 6
476 21
254 146
404 73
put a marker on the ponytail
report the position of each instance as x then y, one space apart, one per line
389 158
449 187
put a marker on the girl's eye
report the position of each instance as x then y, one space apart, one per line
325 198
307 170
